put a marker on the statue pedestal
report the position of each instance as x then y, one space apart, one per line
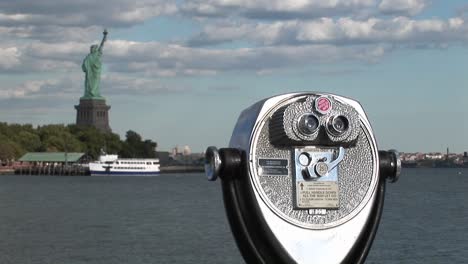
93 112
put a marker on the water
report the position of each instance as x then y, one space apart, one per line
180 218
425 219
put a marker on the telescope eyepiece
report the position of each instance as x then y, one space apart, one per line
338 125
308 124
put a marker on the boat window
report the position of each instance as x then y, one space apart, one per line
155 163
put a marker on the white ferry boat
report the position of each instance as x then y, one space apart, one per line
110 165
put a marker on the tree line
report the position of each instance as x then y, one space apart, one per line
17 139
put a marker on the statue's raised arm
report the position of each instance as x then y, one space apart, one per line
103 40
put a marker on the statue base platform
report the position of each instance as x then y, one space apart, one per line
93 112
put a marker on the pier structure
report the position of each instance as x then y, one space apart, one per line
53 164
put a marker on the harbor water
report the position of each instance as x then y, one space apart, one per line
179 218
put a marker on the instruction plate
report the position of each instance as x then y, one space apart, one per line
272 167
317 194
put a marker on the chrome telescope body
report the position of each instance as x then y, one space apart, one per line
303 180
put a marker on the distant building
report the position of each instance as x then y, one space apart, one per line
164 157
187 151
184 156
434 156
175 151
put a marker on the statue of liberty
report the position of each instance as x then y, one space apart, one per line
92 68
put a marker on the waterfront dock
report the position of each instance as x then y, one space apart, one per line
52 164
7 170
50 170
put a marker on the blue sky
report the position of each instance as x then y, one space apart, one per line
180 72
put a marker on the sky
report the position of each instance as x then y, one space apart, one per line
180 72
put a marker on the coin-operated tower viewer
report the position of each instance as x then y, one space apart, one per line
303 180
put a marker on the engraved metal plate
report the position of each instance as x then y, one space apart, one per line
316 178
272 167
317 194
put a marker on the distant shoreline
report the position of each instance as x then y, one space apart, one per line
164 169
200 169
181 169
440 165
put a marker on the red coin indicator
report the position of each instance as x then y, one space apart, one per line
323 105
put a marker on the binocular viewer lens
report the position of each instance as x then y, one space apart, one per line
308 124
303 180
338 125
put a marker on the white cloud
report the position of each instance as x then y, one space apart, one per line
402 7
9 58
84 12
274 9
68 87
27 89
296 33
56 20
116 84
152 57
342 31
41 57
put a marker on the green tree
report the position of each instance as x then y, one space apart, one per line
134 147
9 150
113 144
29 141
93 141
149 149
16 139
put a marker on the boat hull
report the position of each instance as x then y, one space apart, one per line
124 173
111 165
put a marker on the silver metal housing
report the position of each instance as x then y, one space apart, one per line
325 236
